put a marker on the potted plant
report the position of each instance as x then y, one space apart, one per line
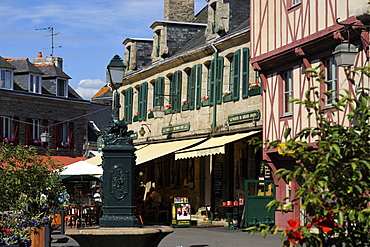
32 197
185 105
168 109
150 113
254 88
136 117
205 100
227 96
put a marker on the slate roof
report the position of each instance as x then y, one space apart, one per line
104 92
50 70
5 65
23 65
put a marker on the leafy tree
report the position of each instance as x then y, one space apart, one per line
333 171
30 186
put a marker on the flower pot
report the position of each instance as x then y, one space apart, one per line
150 115
227 98
255 91
41 236
168 111
136 118
185 107
205 102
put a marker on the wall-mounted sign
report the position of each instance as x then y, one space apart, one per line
245 117
176 128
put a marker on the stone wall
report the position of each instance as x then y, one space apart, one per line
35 107
179 10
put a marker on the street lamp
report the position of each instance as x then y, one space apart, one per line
45 137
116 70
345 54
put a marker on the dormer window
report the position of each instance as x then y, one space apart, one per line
218 19
62 87
213 8
158 43
6 79
35 84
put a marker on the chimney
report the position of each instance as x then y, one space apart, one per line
39 54
179 10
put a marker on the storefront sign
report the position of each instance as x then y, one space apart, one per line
245 117
175 128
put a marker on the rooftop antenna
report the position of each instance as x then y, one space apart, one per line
51 29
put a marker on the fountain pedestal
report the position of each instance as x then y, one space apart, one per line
147 236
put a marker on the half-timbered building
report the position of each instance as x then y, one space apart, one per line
288 37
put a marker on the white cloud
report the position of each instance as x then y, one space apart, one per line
86 88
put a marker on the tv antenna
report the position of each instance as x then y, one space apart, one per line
51 29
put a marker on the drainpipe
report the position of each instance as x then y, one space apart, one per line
215 55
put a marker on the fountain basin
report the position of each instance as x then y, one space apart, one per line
146 236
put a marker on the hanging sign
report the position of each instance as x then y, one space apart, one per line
245 117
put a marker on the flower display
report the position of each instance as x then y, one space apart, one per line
254 85
168 106
294 232
64 144
150 110
227 92
136 114
185 102
8 140
205 97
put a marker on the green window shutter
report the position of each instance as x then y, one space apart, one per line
143 100
158 97
211 82
175 89
236 76
219 79
191 93
198 85
245 72
128 104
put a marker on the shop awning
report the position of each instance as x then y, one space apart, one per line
153 151
215 145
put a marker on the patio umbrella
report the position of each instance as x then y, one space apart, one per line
83 170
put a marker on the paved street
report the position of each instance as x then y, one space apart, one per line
198 237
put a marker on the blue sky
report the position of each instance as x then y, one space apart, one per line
90 32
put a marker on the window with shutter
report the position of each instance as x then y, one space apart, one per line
143 100
158 97
175 91
128 104
236 76
245 72
198 85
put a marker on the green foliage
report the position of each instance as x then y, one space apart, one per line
333 170
30 186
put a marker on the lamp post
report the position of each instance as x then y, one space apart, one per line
118 161
345 54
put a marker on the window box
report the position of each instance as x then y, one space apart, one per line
205 102
168 111
150 115
228 97
255 91
185 107
136 118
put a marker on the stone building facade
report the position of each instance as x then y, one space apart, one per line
203 81
35 98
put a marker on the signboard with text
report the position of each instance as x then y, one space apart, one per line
245 117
